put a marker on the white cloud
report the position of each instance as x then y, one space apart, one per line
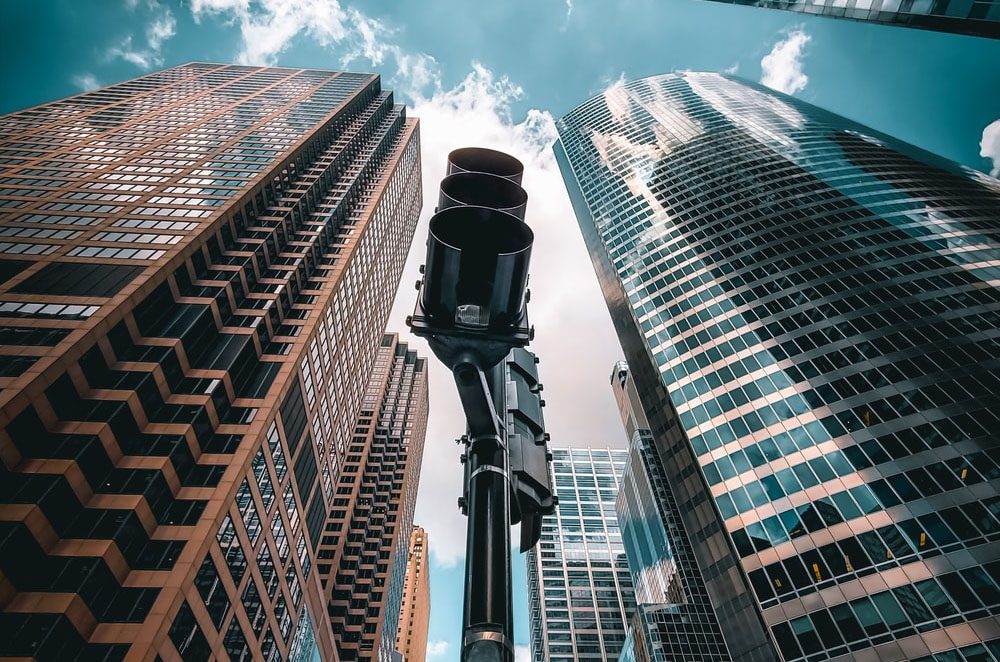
372 41
162 28
372 33
989 146
268 27
86 82
199 7
522 654
437 648
416 72
781 69
575 340
569 13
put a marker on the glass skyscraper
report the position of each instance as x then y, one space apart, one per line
674 620
971 17
579 590
811 312
196 271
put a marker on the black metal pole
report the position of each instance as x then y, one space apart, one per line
487 634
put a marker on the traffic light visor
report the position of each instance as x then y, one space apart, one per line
480 159
483 190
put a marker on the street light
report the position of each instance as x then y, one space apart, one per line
472 309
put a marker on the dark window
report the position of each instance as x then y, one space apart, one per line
187 636
236 642
904 488
14 366
884 493
865 499
265 563
854 555
315 518
806 634
936 528
890 610
846 505
923 481
761 585
305 470
293 416
78 279
912 604
252 603
935 598
826 629
31 336
798 575
959 592
868 617
847 623
779 580
268 648
212 591
895 542
981 516
235 558
11 268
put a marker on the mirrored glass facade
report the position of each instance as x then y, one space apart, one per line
811 312
580 595
972 17
196 271
675 620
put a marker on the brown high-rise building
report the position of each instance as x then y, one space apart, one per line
363 553
414 617
197 268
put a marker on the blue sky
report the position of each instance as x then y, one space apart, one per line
497 74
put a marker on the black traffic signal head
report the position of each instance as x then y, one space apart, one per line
480 159
477 268
527 441
472 302
483 190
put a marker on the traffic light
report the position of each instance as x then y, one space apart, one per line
479 179
472 308
474 287
531 478
483 190
481 159
477 269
